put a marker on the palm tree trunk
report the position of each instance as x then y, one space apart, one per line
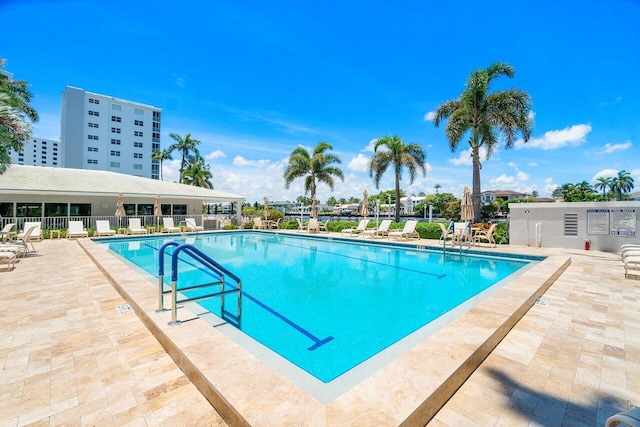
475 196
397 197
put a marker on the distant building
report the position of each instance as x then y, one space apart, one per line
491 195
39 152
100 132
408 203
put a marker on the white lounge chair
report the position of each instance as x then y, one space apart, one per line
76 229
381 231
362 225
6 231
485 236
408 231
9 258
103 229
168 226
447 234
135 227
628 418
35 235
22 242
190 225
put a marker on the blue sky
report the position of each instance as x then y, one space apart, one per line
253 80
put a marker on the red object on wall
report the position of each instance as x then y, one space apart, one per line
587 245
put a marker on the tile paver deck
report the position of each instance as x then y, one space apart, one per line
68 357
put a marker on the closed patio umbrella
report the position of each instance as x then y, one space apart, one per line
265 212
120 213
157 209
364 209
466 206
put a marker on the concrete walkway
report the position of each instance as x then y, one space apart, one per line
68 357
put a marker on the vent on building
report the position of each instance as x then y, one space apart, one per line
570 224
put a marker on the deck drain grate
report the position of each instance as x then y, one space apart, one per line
124 309
543 301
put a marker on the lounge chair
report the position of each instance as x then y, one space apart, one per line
135 227
9 258
6 231
408 232
631 261
362 225
257 223
76 229
381 231
22 242
313 226
624 419
485 236
190 225
35 235
461 232
103 229
446 233
168 226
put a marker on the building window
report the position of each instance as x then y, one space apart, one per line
93 125
137 144
179 209
137 155
115 141
115 130
94 113
93 137
138 122
80 209
95 149
156 115
137 133
116 107
139 112
29 209
55 209
94 101
115 164
137 166
116 119
92 161
115 153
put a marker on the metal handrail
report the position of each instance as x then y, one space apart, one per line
444 238
205 260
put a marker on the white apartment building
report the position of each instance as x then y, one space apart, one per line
39 152
101 132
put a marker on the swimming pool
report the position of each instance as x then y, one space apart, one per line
327 306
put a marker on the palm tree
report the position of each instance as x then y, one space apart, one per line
15 115
161 156
603 184
398 154
314 168
485 115
197 173
623 183
185 145
437 187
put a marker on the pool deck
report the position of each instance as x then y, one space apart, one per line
69 357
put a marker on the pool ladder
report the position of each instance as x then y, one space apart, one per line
218 287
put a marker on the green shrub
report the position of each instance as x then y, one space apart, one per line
290 225
235 227
429 230
500 233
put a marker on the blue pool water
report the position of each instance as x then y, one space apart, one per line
327 306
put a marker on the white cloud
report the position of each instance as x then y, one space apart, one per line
513 165
171 170
553 139
360 163
429 116
616 101
606 173
218 154
465 157
533 164
179 79
610 148
531 115
241 162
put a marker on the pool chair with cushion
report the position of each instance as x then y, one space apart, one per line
381 231
135 227
631 261
76 229
9 258
103 229
22 242
168 226
190 225
6 231
36 234
362 225
408 232
485 236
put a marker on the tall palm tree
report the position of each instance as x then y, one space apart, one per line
400 155
623 183
603 184
161 156
186 146
197 173
486 115
15 115
316 167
